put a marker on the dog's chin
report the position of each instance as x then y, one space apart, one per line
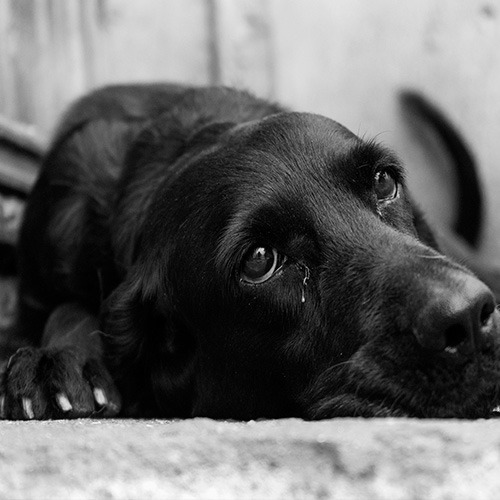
375 386
350 405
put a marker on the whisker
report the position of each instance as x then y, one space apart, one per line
433 257
342 363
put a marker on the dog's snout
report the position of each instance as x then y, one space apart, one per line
457 318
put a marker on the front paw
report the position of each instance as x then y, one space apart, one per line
56 383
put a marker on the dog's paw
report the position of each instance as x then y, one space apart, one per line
55 383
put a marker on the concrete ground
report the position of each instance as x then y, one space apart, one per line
288 459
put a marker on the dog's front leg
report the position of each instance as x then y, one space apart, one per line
65 377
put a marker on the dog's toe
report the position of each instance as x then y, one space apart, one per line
105 394
45 383
22 396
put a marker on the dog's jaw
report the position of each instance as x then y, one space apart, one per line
384 384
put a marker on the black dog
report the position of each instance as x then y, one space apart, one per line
200 252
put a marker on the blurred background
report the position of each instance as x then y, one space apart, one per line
346 59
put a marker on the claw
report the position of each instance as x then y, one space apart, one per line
100 397
114 407
63 402
11 358
28 408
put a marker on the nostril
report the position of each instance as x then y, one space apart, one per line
486 312
459 334
455 335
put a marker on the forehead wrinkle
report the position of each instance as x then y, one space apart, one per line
296 137
317 151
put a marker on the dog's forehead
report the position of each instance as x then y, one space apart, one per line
290 148
308 142
296 131
295 173
304 122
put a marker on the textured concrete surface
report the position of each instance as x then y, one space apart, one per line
344 458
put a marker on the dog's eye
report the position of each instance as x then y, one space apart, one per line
386 187
260 264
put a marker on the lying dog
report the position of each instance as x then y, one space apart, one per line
200 252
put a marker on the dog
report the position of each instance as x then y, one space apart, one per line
200 252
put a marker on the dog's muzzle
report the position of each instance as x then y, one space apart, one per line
429 344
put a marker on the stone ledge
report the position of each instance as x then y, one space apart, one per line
201 458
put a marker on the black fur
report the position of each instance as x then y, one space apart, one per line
149 202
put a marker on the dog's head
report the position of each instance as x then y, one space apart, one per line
284 271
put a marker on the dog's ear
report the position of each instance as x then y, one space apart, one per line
170 136
424 231
148 349
149 162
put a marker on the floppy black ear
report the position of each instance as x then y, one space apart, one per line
424 231
151 160
148 349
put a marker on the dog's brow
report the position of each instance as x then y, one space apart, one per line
232 243
371 153
282 223
367 157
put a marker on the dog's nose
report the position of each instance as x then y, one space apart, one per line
459 319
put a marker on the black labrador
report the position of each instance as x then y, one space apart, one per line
201 252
